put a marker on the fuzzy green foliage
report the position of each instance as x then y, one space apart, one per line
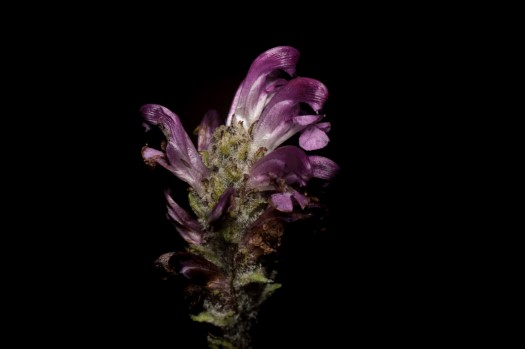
228 160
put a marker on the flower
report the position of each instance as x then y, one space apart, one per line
180 155
244 185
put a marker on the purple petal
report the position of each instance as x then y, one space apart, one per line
192 271
305 120
192 267
260 83
289 164
184 159
324 126
233 108
282 202
192 237
190 229
323 167
146 126
300 198
220 208
312 138
280 118
153 156
179 214
275 85
199 269
206 128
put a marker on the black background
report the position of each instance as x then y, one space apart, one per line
364 273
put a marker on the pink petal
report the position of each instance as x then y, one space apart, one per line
289 164
300 198
323 168
222 205
206 128
280 118
312 138
282 202
259 84
189 228
183 158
